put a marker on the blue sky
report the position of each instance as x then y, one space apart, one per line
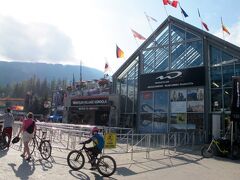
70 31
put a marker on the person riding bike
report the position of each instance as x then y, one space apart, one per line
98 145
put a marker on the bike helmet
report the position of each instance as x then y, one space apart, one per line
94 129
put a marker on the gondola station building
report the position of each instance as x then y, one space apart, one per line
179 79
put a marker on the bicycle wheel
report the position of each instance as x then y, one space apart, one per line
207 153
3 141
75 160
45 149
106 166
31 146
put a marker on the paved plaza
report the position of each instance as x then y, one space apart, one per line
178 165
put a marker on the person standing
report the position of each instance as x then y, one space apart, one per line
28 129
8 121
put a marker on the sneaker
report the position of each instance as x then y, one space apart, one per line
22 155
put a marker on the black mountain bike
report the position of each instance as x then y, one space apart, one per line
106 165
221 147
44 146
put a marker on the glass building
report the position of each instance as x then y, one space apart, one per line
179 79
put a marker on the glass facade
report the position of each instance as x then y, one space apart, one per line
170 110
127 87
223 66
176 48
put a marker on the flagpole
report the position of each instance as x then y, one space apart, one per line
165 10
200 19
222 29
148 22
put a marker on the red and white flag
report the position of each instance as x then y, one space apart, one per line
173 3
137 35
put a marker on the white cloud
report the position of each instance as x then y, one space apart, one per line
36 42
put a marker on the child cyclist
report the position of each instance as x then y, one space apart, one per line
98 145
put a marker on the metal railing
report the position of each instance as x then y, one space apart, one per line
68 136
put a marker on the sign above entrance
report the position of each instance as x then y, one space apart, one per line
84 102
173 79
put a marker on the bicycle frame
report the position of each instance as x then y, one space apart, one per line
36 138
216 143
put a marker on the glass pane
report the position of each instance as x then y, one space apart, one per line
215 56
149 60
216 99
216 78
194 54
190 35
178 56
163 37
226 57
146 102
178 122
227 99
195 121
160 122
145 123
178 101
177 34
123 94
161 60
228 72
161 101
237 70
195 100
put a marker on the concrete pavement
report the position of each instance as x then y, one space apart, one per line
171 166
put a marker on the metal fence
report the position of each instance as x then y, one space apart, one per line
68 136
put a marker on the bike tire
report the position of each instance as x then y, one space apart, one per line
45 149
207 153
32 145
106 163
75 157
3 141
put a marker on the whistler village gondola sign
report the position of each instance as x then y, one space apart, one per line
93 101
170 79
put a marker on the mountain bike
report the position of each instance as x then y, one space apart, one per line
106 165
44 146
218 146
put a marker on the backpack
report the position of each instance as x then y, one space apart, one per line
31 128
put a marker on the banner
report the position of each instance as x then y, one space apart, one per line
173 79
235 107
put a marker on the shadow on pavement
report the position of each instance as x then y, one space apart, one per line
79 175
3 152
148 165
24 170
99 177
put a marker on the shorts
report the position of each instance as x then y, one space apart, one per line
26 137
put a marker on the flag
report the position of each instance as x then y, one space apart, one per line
119 52
183 12
173 3
149 18
137 35
203 23
106 67
224 27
